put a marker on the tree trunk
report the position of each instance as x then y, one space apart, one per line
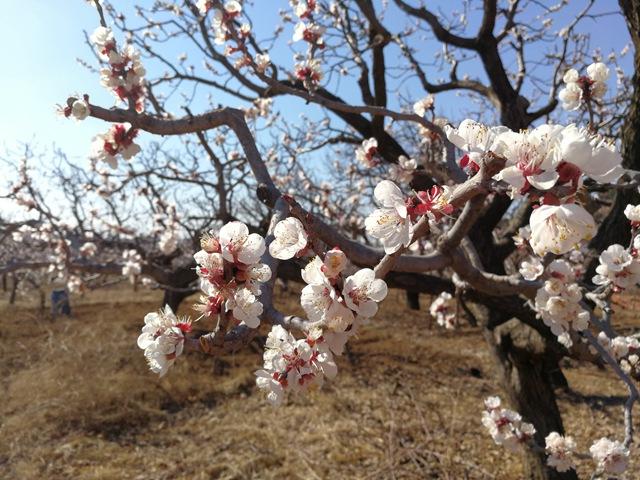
615 228
413 300
14 289
522 357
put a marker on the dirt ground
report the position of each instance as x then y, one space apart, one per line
79 403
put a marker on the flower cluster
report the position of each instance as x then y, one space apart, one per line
366 153
309 72
560 450
304 8
225 30
306 29
132 264
626 350
294 366
421 106
392 223
632 212
505 426
558 302
125 74
583 89
222 19
310 33
618 267
552 155
443 309
74 284
331 307
610 456
162 339
231 273
335 306
538 161
117 141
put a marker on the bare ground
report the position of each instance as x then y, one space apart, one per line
78 402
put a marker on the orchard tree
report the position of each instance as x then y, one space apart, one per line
492 219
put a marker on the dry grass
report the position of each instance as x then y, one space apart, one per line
79 403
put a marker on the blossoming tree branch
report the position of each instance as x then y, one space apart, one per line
497 219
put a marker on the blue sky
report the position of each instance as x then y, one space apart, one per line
41 44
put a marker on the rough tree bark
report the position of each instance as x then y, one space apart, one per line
522 356
615 228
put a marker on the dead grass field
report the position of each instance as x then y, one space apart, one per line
79 403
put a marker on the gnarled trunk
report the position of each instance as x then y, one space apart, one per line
526 367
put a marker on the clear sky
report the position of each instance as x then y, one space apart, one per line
40 43
41 40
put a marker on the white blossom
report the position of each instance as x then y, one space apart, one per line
162 339
443 309
204 6
313 273
132 264
580 152
617 266
88 249
531 268
334 263
560 450
245 307
363 291
632 212
559 228
610 456
262 61
290 239
571 95
238 245
316 300
366 153
505 426
530 157
391 224
293 366
584 88
421 106
80 109
558 302
168 242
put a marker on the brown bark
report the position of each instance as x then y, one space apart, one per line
526 366
615 228
14 290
